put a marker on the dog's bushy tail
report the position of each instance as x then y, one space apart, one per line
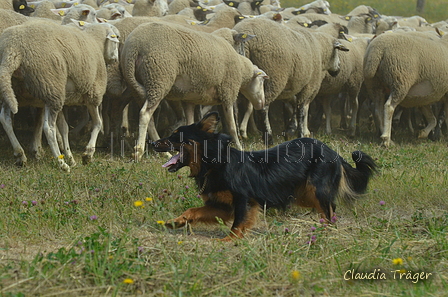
354 180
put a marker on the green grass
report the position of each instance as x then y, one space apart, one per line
83 235
435 10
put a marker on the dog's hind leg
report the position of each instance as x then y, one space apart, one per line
306 197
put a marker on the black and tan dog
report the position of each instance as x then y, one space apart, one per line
236 184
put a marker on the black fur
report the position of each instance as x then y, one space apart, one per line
271 177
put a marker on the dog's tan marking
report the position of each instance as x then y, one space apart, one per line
306 197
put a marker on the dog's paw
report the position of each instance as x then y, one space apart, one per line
176 223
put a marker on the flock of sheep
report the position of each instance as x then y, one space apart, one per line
103 54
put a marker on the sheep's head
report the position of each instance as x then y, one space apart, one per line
335 64
254 90
111 36
111 44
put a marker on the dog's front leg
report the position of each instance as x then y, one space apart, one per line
204 214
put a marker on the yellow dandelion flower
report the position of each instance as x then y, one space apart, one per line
61 157
129 281
161 222
397 261
149 199
180 242
138 203
402 271
295 275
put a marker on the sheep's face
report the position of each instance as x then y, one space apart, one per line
335 63
254 90
111 45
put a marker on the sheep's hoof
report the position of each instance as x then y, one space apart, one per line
20 159
65 167
86 159
138 153
422 134
387 142
37 153
71 161
20 162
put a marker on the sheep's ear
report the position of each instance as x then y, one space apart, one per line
113 37
80 24
345 36
231 3
256 3
242 37
85 12
440 32
192 22
339 46
60 11
126 2
298 11
347 17
209 122
259 72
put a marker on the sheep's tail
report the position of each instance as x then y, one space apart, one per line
130 59
372 61
354 180
11 62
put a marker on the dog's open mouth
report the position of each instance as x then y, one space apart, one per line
175 163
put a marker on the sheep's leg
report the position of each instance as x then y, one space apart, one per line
303 120
267 125
36 142
389 108
50 116
152 130
97 125
230 118
189 113
205 110
83 121
430 118
327 111
125 121
63 129
6 120
245 121
145 116
354 114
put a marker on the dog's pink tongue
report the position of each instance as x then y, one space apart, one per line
172 161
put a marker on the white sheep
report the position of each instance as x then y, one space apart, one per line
161 60
80 12
318 6
45 10
417 78
296 62
9 18
150 8
55 71
348 82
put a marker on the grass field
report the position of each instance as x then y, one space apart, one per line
96 231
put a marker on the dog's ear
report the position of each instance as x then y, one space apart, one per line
209 122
